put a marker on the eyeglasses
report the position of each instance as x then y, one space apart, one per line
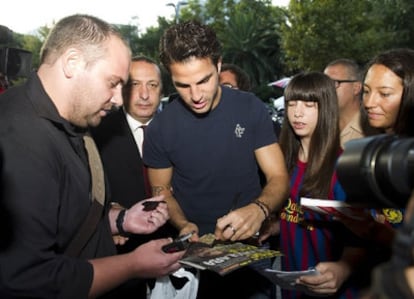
339 82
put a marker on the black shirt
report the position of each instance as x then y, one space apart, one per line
45 195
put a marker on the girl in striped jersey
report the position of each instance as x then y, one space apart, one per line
310 143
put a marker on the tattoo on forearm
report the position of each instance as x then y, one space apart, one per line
156 190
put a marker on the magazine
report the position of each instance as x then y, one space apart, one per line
287 279
332 207
223 257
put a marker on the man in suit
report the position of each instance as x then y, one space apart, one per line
119 138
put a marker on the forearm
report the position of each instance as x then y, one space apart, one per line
121 269
177 217
272 164
275 193
352 257
409 276
146 261
381 233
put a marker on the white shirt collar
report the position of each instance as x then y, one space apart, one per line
133 123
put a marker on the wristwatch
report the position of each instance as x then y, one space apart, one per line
120 224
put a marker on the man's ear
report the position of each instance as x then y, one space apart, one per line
219 65
71 61
357 88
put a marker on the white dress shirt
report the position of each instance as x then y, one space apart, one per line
137 131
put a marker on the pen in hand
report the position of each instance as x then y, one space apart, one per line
234 206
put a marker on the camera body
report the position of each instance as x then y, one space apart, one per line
378 171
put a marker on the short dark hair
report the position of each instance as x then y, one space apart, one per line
242 78
189 39
87 32
353 68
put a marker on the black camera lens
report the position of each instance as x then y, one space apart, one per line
378 171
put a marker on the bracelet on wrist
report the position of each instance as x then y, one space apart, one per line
120 224
268 209
263 207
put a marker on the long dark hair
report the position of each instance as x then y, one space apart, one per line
324 145
401 63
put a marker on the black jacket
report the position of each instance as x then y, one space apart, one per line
44 197
121 159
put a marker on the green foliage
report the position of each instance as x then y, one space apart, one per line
33 44
398 17
270 42
148 42
6 35
317 32
28 42
130 33
249 33
252 45
43 32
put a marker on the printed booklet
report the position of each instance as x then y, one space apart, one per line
223 257
332 207
287 279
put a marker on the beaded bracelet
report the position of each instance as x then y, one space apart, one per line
263 207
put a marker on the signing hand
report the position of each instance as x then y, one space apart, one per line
240 224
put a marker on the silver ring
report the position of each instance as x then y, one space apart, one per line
232 228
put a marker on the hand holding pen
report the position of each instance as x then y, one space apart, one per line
240 223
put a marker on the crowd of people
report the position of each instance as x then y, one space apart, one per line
84 149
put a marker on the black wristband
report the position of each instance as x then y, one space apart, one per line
120 223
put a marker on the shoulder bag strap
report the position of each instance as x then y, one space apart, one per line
89 224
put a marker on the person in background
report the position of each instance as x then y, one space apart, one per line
234 77
388 98
3 83
388 101
346 74
387 93
310 143
46 185
119 138
203 154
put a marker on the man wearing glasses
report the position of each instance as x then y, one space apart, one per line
347 77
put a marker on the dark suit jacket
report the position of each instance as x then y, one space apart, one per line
124 172
123 168
121 159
